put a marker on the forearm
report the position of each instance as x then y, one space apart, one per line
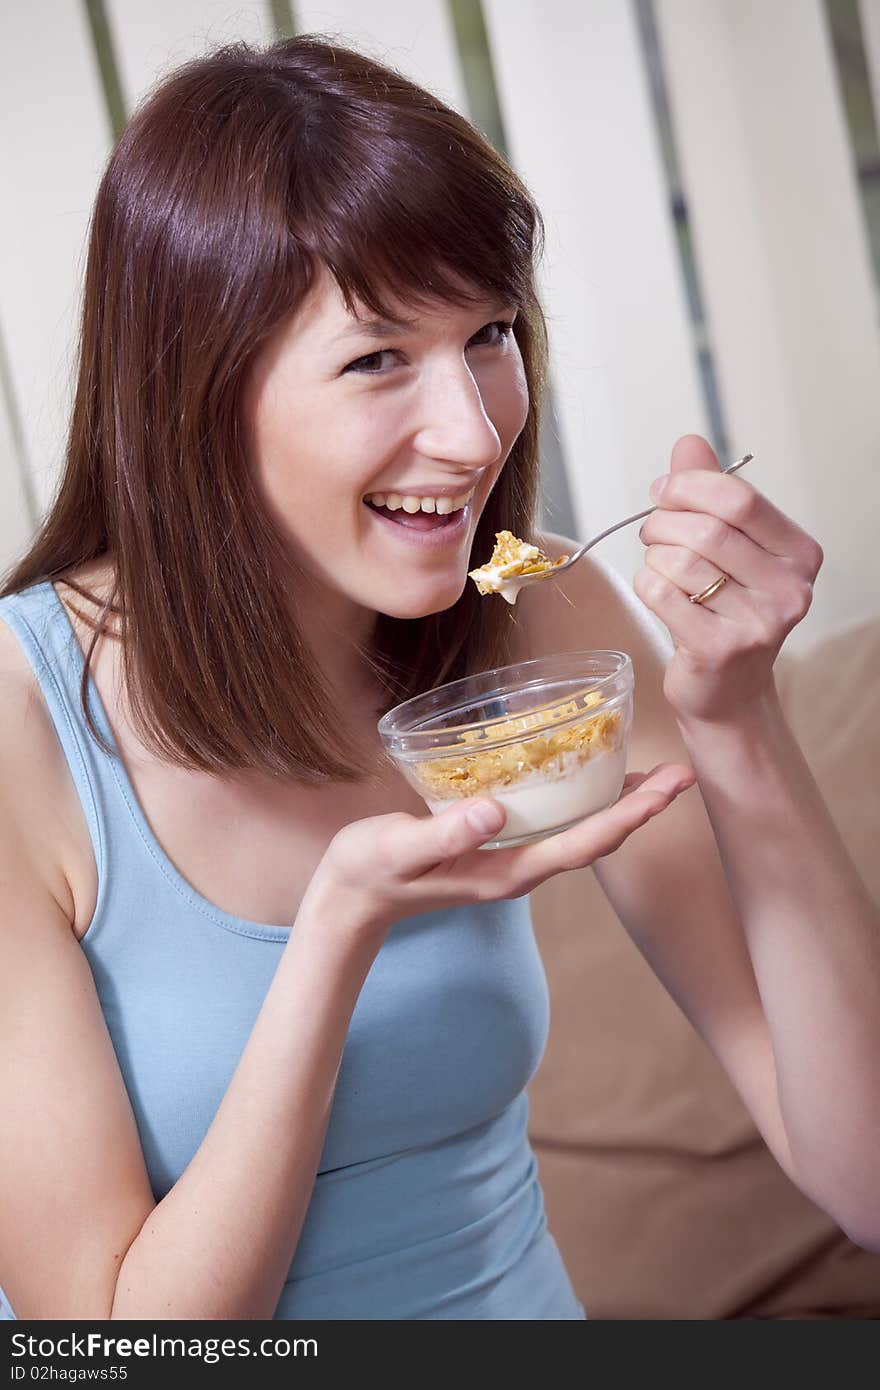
813 935
220 1243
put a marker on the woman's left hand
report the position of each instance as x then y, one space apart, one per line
708 524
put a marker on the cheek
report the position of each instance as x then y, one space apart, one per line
290 446
312 468
506 401
523 403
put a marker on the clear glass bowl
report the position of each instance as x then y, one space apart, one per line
545 738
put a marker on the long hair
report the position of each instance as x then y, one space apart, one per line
236 180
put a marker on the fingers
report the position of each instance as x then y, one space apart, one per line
409 848
691 625
683 776
736 502
400 864
693 451
766 594
416 845
709 526
512 873
690 548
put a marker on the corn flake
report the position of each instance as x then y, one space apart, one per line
511 559
478 772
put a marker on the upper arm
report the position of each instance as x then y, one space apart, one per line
72 1173
667 882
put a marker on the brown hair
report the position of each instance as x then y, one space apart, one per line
239 176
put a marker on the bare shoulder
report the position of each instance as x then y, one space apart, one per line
40 817
27 735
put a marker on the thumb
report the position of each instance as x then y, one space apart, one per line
693 451
455 831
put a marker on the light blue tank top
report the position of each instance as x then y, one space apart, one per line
426 1202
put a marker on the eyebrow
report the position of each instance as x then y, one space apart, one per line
385 328
376 328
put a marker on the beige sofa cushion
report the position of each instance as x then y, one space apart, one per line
661 1194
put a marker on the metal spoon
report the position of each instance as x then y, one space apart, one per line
521 580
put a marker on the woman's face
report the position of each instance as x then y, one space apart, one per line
340 411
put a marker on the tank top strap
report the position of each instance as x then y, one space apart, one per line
39 620
121 835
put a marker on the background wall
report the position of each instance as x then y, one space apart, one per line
709 175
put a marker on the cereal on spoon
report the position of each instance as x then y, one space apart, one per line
511 560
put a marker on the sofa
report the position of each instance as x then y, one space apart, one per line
662 1196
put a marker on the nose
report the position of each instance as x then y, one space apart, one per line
453 424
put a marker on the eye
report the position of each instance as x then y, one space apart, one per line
367 364
504 327
370 365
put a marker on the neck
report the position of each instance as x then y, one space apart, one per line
337 632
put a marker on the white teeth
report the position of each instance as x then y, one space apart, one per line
410 503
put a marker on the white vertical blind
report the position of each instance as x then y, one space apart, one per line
784 265
152 38
56 140
417 39
15 520
576 108
869 13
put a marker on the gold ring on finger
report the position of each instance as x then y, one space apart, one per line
709 590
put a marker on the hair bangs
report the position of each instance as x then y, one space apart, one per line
418 217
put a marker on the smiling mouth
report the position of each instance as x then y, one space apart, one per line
420 513
417 521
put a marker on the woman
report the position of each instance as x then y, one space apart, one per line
310 283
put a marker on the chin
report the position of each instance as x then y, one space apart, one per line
434 598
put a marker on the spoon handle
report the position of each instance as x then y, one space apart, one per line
731 468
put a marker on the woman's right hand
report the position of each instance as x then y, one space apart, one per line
382 868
